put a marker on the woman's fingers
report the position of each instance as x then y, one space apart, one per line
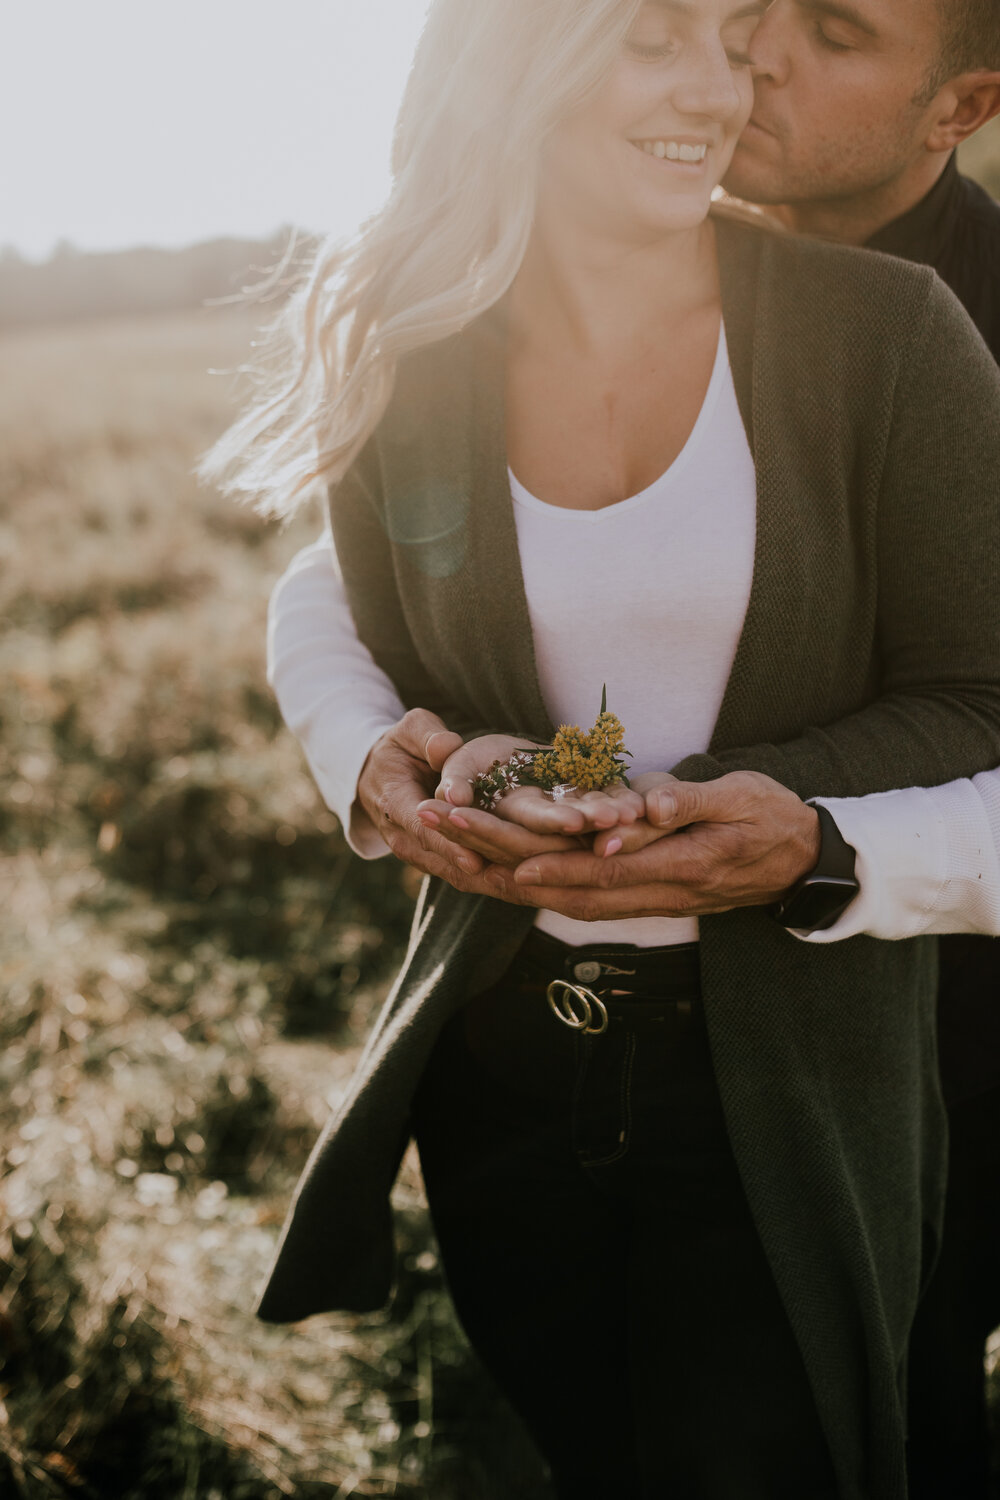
611 807
607 808
533 809
498 841
584 813
627 838
471 760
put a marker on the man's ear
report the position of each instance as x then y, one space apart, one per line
966 103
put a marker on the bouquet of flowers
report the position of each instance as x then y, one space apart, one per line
576 761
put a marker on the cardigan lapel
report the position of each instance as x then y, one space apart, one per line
761 700
739 278
493 548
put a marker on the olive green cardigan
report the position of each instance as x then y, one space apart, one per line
868 660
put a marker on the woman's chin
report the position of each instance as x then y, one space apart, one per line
685 211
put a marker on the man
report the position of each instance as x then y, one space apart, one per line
856 114
859 107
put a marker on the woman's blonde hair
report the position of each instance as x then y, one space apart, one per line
489 80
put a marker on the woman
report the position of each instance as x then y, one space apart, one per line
753 436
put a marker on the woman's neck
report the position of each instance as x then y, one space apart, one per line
603 297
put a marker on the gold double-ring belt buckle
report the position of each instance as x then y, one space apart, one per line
577 1007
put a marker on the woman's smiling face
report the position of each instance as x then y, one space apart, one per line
642 157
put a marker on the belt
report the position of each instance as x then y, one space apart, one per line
592 986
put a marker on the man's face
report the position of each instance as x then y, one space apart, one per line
837 85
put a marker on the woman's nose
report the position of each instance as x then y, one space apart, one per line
709 86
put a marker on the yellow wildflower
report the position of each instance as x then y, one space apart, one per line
588 761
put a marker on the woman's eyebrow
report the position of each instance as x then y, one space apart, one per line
687 7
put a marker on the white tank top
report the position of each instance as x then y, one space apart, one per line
648 596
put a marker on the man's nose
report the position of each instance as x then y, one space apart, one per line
709 87
768 49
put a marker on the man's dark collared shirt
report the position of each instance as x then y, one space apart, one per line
956 229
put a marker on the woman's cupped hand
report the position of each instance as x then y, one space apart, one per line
528 821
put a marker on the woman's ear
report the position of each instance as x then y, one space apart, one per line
966 103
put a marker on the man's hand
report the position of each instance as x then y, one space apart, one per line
401 771
740 841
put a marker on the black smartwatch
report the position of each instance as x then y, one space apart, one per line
819 898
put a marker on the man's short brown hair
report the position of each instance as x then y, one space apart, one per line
970 36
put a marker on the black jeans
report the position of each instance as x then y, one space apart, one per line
599 1248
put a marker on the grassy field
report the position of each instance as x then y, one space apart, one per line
189 958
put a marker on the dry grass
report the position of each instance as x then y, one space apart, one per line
188 958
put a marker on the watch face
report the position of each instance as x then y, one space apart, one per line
818 903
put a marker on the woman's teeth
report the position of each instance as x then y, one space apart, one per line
673 150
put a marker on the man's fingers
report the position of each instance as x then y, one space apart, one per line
422 734
627 838
678 803
445 850
586 904
483 833
403 823
575 868
665 861
439 745
412 851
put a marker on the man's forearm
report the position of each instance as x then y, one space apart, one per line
928 860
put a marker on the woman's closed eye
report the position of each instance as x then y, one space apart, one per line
660 52
658 35
655 35
651 52
653 40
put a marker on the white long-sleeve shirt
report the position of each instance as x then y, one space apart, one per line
928 858
332 696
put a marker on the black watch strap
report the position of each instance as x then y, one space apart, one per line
817 900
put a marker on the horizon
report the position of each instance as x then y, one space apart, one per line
64 247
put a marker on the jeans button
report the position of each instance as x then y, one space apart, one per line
587 972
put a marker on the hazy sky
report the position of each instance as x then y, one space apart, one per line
129 122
